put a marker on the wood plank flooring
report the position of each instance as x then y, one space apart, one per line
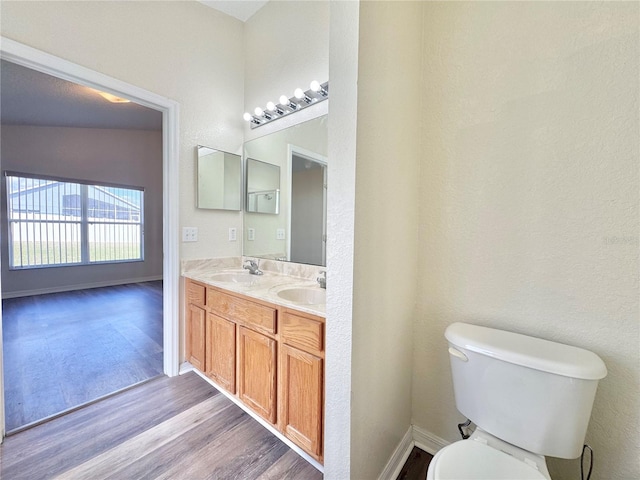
168 428
415 468
65 349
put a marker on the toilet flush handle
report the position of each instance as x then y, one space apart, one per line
458 353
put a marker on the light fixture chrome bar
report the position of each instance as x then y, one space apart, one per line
288 105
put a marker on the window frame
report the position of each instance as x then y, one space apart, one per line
84 222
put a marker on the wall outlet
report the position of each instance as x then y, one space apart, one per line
251 234
280 234
189 234
233 234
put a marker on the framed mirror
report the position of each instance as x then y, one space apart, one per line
263 187
219 184
297 233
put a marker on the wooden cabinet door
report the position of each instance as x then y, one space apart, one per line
300 399
196 336
257 372
221 351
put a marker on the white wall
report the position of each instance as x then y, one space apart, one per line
529 198
180 50
386 241
123 157
341 173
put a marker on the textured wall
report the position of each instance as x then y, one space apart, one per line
121 157
340 242
529 217
180 50
386 241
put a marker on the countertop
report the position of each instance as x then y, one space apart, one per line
263 287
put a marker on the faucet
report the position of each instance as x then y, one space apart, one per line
252 266
322 279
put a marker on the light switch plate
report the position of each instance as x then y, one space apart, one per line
233 234
251 234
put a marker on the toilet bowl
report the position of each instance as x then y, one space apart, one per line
485 457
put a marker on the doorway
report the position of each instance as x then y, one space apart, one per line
26 56
308 219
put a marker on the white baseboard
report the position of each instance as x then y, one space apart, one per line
427 441
84 286
415 437
399 457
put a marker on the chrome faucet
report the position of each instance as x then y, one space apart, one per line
252 266
322 279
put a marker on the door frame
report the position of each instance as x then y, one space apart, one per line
38 60
294 150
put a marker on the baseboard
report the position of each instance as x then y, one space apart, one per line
427 441
415 437
84 286
399 457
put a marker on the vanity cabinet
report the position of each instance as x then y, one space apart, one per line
195 325
301 380
257 372
270 357
221 351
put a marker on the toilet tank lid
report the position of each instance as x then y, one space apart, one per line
536 353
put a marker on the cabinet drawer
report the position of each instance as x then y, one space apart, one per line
195 293
256 316
302 332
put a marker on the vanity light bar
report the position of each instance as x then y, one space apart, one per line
317 93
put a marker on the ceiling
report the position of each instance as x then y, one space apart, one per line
28 97
240 9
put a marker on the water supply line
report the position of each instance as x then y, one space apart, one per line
464 425
584 448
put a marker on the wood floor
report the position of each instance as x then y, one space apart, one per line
168 428
62 350
415 468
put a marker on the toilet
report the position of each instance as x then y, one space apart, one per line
528 397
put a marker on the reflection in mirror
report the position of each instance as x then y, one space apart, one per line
298 232
219 179
263 187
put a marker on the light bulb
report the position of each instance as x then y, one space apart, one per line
271 106
284 100
315 86
299 94
247 116
258 111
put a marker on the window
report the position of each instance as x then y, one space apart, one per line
65 222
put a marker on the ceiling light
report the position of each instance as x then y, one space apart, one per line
112 98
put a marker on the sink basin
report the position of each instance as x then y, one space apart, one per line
304 295
233 277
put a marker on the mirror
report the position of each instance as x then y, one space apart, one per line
297 231
263 187
219 183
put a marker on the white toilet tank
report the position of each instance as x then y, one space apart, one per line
532 393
